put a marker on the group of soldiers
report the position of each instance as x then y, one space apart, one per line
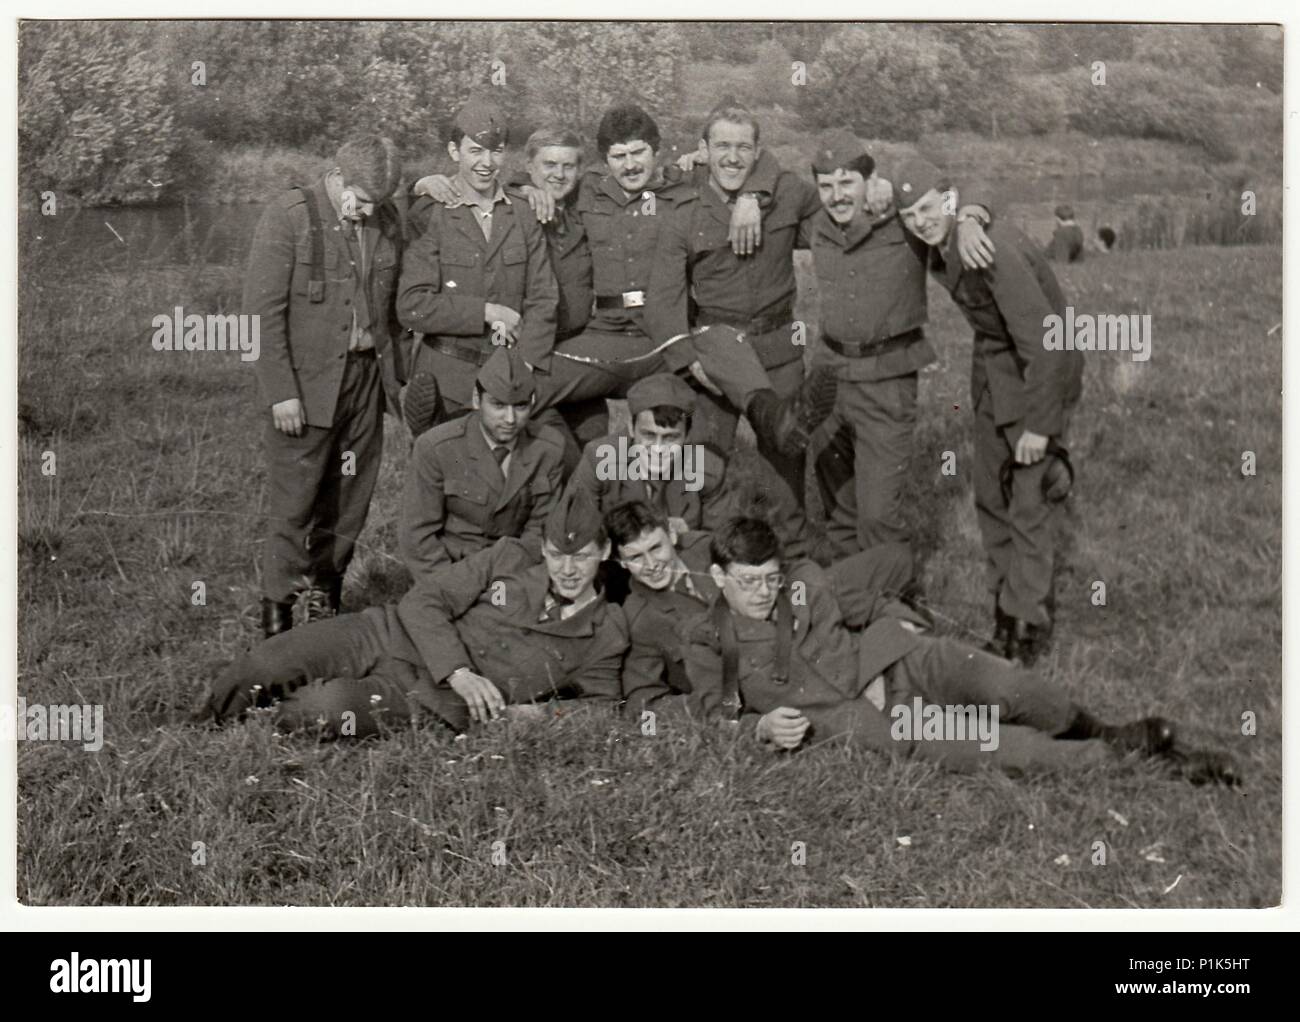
554 560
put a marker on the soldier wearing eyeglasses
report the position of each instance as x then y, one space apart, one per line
805 661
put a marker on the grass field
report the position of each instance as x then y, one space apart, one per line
159 484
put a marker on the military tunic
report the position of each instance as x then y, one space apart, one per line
458 501
451 271
706 508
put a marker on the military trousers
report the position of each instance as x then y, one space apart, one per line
336 677
320 485
715 424
944 672
1020 534
863 468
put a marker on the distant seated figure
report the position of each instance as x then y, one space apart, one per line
1067 239
1105 239
487 475
686 483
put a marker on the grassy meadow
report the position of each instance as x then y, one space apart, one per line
160 484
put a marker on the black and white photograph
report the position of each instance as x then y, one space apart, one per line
648 464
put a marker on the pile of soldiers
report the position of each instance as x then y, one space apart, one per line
554 560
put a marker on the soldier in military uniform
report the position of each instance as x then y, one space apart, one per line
321 276
483 476
754 294
644 464
871 279
496 629
1023 395
800 669
1066 245
477 276
672 586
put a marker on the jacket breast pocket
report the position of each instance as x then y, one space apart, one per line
467 497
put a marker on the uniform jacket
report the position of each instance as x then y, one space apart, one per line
655 668
828 662
457 501
304 344
483 613
871 279
706 508
450 272
623 233
695 262
570 251
1007 305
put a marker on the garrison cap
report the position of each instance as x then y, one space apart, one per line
840 150
507 377
483 122
574 522
660 389
915 177
1065 212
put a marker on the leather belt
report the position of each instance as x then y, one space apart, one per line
758 325
869 349
627 300
362 353
466 351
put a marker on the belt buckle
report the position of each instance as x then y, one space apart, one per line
633 299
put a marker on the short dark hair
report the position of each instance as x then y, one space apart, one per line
1107 236
669 417
744 541
863 164
732 112
370 162
628 521
626 123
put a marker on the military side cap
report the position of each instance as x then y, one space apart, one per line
839 151
660 389
574 522
483 122
913 178
507 377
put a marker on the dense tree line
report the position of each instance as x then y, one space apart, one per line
131 111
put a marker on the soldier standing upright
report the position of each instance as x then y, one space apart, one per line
1024 395
321 276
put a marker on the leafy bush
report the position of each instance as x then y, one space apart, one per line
93 117
1140 101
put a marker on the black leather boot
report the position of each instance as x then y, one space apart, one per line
1002 625
789 423
1151 736
1200 766
1027 642
421 403
276 617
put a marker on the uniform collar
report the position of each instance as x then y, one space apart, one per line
470 199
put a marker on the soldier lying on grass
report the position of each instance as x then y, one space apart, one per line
782 644
496 629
